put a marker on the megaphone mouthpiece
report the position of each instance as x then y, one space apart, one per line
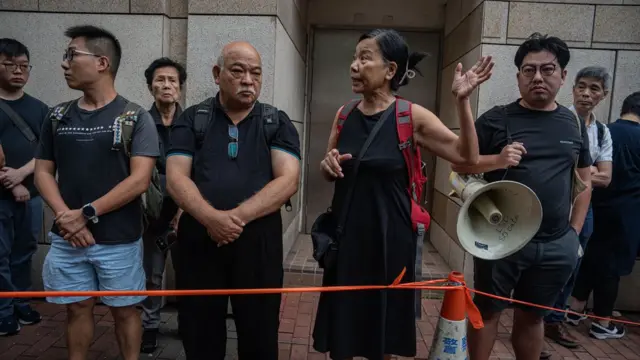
488 209
505 216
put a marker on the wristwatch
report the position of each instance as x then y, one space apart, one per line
89 213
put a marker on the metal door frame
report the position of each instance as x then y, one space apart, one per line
309 95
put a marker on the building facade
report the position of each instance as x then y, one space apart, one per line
306 48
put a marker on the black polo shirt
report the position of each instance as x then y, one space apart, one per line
18 151
225 182
553 143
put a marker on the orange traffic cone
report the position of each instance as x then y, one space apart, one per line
450 339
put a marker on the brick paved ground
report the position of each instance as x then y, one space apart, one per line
46 341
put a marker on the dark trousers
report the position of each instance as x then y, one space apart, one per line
252 261
20 227
563 297
601 278
154 263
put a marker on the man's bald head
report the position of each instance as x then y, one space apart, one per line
238 72
235 48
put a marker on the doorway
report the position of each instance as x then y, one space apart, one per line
331 88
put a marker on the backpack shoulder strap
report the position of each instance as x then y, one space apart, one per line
404 123
201 120
57 113
404 126
270 122
345 112
127 122
600 127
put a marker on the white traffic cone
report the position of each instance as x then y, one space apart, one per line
450 339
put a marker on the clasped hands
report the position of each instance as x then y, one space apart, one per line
12 180
224 227
73 228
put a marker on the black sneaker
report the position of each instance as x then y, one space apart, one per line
149 341
602 333
576 319
26 315
9 326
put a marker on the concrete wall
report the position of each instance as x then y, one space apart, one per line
192 32
604 32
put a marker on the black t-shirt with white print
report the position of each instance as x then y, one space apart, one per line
88 167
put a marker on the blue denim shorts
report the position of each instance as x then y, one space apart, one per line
97 267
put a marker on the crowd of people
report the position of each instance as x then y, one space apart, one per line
128 185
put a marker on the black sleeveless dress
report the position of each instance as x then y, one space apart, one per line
378 242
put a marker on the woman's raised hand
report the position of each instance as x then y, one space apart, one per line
464 83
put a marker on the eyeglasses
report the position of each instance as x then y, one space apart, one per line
531 70
11 67
69 54
232 147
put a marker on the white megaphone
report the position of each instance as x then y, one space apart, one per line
496 219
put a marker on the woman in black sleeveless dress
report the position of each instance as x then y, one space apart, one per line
378 240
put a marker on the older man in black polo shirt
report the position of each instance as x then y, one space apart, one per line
233 163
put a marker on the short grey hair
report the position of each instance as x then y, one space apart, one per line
595 72
220 60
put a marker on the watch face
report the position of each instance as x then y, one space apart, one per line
88 211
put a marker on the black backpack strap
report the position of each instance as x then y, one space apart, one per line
270 121
57 113
128 121
600 127
202 119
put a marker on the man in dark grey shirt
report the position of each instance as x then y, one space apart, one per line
96 239
20 204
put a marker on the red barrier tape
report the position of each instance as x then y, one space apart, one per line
472 312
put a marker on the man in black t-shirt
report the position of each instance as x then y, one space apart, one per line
96 239
537 142
21 210
231 179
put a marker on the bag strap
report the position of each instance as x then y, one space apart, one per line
18 121
345 112
404 125
202 119
356 165
56 115
127 122
600 127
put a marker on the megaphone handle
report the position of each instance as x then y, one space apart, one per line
507 129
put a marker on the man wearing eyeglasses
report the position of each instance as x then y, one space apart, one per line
96 239
537 142
21 211
233 163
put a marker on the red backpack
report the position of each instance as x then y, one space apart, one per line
420 218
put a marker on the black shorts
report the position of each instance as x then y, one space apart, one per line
536 274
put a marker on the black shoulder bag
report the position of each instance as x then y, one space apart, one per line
326 231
